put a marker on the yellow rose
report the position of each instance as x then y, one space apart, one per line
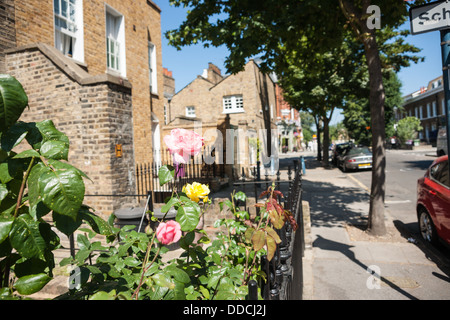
196 191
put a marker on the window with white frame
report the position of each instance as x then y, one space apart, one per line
190 111
152 67
233 104
68 16
434 109
115 41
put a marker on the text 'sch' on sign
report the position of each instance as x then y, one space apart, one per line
429 17
118 150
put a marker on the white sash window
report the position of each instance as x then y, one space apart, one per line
68 16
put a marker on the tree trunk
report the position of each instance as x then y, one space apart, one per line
319 147
326 140
376 224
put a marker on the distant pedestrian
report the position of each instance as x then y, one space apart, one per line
393 142
310 145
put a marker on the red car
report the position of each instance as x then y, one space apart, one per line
433 202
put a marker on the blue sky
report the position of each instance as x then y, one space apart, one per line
188 63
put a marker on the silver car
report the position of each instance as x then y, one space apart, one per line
355 158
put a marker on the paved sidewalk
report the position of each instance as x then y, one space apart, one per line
336 264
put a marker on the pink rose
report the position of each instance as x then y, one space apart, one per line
182 144
168 232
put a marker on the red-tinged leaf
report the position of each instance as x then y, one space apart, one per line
276 219
272 233
258 240
271 248
278 193
260 204
291 220
263 194
249 234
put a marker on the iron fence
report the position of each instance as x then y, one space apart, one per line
284 272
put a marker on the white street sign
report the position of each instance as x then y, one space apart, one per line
429 17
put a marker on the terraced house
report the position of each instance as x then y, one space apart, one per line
95 68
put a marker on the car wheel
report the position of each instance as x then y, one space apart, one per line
426 227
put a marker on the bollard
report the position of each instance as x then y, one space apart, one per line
252 290
303 165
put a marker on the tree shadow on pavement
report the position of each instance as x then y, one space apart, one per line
331 205
418 165
345 249
439 253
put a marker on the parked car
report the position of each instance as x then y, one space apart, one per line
355 158
433 202
441 142
338 149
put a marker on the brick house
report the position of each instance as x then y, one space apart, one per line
288 123
94 68
245 102
427 104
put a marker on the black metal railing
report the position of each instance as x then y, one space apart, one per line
284 280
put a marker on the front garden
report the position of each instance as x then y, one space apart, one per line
38 183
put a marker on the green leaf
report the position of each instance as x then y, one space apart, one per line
131 261
50 133
166 207
57 150
97 223
65 166
5 228
3 192
188 216
83 242
26 238
178 274
187 240
165 174
13 101
34 195
32 283
62 190
27 154
163 280
13 136
102 295
240 196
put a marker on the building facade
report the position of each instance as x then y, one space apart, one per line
428 105
246 102
288 123
94 68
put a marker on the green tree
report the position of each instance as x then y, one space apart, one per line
407 128
357 111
